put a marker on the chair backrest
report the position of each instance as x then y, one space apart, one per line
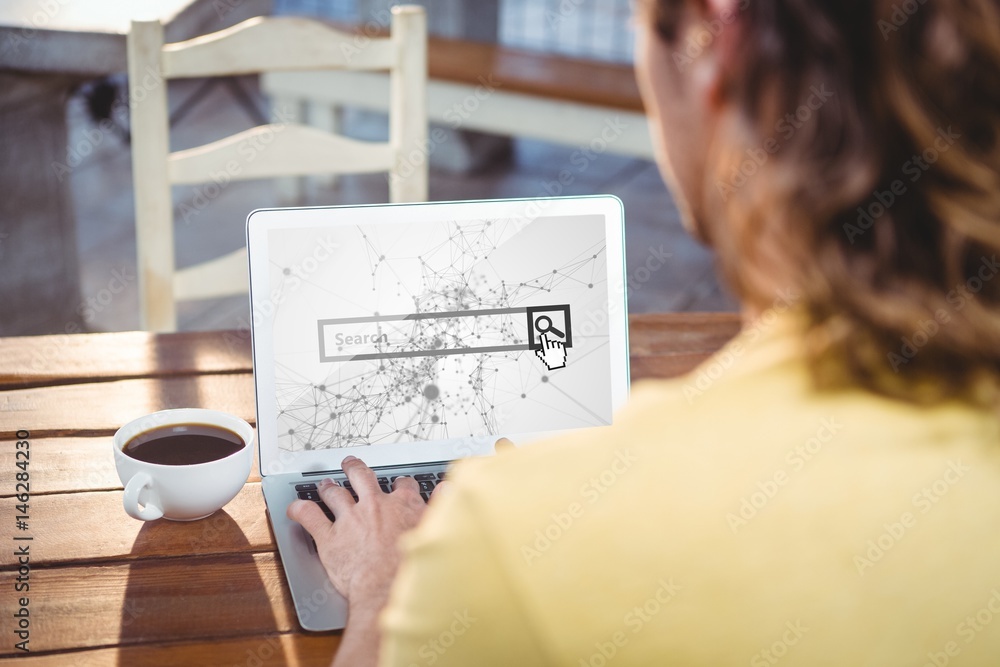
262 44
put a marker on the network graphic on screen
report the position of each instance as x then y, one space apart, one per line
442 330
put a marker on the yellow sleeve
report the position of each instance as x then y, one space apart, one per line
451 603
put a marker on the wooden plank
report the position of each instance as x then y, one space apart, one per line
666 334
100 409
664 367
275 650
29 361
671 345
101 531
533 73
157 600
60 465
293 650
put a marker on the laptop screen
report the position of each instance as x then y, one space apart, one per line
388 333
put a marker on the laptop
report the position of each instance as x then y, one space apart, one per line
412 335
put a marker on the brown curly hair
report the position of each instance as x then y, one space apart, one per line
868 142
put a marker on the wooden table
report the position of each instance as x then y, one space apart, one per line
108 590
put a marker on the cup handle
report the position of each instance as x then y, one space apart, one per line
134 487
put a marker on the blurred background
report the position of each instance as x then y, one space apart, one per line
96 173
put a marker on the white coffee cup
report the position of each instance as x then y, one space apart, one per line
182 492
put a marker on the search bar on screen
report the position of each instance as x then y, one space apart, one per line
440 333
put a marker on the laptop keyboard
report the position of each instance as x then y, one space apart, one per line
426 480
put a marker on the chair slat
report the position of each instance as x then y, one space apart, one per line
278 43
223 276
273 150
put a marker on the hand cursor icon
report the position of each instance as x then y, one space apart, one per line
552 352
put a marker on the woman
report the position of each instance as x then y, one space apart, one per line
833 497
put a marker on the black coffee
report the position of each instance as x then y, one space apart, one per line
182 445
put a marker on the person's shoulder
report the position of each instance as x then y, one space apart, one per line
734 394
567 456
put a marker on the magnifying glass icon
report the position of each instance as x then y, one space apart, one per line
547 327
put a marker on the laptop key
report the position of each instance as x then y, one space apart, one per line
426 496
305 487
385 488
426 487
440 476
309 495
383 480
424 477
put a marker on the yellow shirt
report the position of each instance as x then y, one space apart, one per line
731 517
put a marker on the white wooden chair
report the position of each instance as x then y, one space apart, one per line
260 45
